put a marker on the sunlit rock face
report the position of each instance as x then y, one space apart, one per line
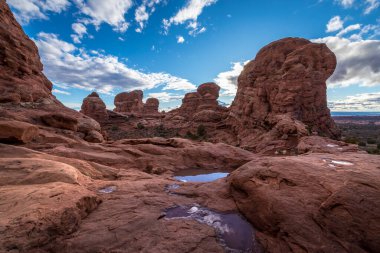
21 77
284 88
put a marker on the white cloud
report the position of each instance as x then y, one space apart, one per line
26 10
143 12
111 12
71 67
165 96
61 92
345 3
335 24
189 14
358 61
371 5
228 80
80 30
349 29
180 39
359 102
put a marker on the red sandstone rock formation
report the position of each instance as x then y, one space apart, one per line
132 103
129 102
21 77
282 94
94 107
201 106
312 203
25 93
151 106
205 98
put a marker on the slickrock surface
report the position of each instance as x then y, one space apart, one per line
312 203
282 94
94 107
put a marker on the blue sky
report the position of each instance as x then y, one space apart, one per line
169 47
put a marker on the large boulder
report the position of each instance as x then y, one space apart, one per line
286 81
12 131
21 77
312 203
94 107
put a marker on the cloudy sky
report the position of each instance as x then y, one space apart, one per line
169 47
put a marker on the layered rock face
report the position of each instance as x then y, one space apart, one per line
25 93
129 102
94 107
21 77
283 91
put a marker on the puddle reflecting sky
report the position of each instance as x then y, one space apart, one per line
200 175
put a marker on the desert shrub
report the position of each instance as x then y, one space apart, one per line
362 144
190 135
378 146
114 128
374 151
201 131
140 126
351 140
371 141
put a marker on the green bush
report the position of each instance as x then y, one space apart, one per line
140 126
362 144
114 128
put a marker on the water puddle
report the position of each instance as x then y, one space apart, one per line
334 163
199 175
234 233
108 189
345 163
